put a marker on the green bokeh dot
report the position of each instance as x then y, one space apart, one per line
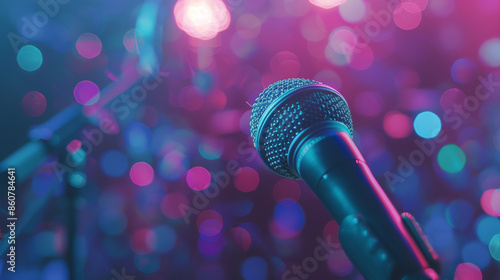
495 247
29 58
451 158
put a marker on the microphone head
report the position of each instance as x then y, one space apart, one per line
286 108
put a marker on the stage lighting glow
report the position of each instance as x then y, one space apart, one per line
198 178
353 10
34 103
288 219
29 58
468 271
463 70
202 19
247 179
130 41
420 3
451 158
86 93
397 125
451 98
490 52
241 237
494 247
327 4
138 241
173 165
343 40
427 125
77 179
142 174
114 163
476 253
89 45
486 227
486 203
254 268
167 240
407 16
361 60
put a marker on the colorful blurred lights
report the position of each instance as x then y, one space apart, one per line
198 178
468 271
86 93
489 52
451 158
407 16
254 268
327 4
29 58
34 103
88 45
247 179
397 125
427 125
494 247
141 174
202 19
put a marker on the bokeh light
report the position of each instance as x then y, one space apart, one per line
327 4
451 158
113 163
241 237
468 271
88 45
288 219
29 58
407 16
451 98
494 247
247 179
490 52
486 203
254 268
427 125
86 93
202 19
477 254
397 125
353 10
141 174
130 41
34 103
463 70
486 227
198 178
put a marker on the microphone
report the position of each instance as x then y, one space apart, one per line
303 129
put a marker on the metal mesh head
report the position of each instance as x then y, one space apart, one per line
288 119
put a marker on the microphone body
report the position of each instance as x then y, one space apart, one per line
302 130
325 156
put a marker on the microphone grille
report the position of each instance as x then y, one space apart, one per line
291 117
270 94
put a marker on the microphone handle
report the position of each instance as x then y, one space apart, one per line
372 232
